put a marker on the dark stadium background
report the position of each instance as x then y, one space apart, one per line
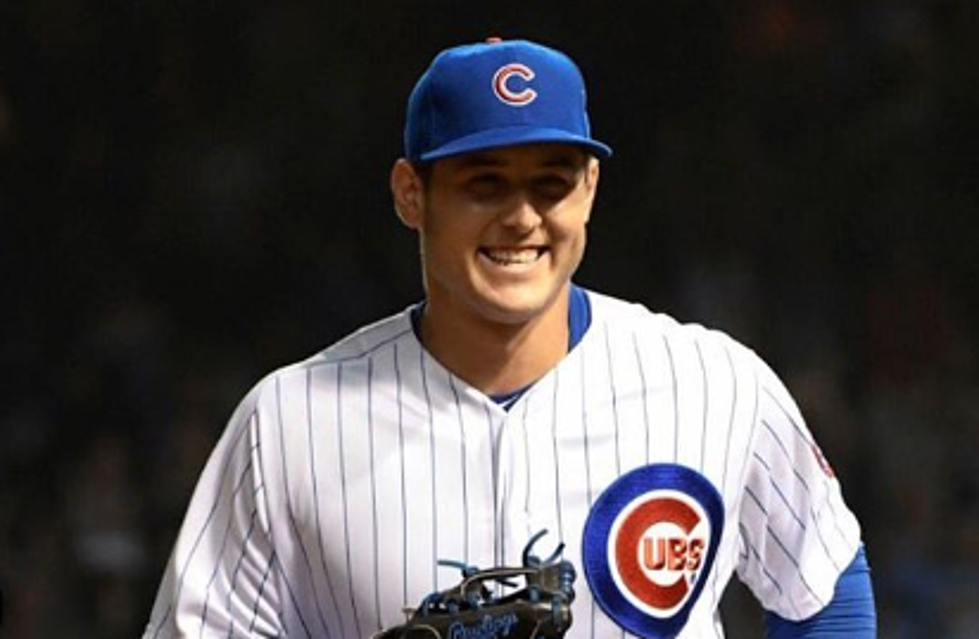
193 193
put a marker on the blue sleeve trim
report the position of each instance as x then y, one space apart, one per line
851 614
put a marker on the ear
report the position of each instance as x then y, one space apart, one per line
408 191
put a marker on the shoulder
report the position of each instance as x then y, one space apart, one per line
366 341
350 351
692 348
621 317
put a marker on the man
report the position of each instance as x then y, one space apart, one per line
665 456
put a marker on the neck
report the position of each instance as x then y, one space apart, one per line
497 357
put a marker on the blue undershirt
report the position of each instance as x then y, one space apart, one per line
850 615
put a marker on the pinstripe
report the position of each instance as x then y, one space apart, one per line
754 425
258 595
494 453
373 482
743 533
274 558
788 416
588 480
836 520
289 509
676 405
727 458
750 548
526 453
264 494
204 527
584 431
706 405
224 543
785 502
645 397
499 510
778 541
465 483
404 491
778 491
615 420
618 452
754 498
431 452
557 463
234 573
822 540
788 455
345 498
730 426
615 404
314 478
795 562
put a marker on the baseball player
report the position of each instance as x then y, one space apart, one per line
666 457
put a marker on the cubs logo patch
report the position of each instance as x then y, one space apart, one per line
649 543
503 81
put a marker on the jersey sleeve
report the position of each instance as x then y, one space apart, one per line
219 580
796 533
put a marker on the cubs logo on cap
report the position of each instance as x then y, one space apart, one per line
507 95
649 542
497 93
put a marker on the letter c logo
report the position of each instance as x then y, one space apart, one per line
501 85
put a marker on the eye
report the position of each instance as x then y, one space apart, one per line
553 187
486 186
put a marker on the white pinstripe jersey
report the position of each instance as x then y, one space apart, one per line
340 481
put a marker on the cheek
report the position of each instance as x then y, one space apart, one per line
571 231
574 239
447 245
448 238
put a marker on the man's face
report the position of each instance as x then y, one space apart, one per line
502 231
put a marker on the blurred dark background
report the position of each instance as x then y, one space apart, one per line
195 192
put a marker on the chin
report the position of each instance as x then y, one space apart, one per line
509 316
516 309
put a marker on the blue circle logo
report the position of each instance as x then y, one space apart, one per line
649 542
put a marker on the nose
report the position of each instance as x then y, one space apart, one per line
521 214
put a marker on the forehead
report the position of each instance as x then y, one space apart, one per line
518 157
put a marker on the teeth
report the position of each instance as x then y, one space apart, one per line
512 256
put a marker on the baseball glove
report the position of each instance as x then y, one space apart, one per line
527 602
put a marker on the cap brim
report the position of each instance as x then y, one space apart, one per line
511 136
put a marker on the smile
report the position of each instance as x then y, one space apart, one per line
513 257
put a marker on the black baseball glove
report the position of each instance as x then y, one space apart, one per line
528 602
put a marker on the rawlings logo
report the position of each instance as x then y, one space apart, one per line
489 627
501 84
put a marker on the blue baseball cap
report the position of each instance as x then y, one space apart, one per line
497 93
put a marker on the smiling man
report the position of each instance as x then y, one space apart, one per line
665 457
502 231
